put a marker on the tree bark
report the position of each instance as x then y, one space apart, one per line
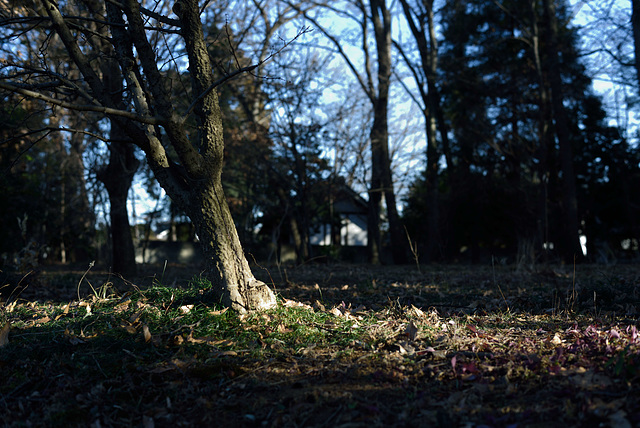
227 267
206 205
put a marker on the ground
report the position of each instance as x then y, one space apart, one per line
348 346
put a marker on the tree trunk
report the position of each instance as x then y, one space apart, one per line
117 178
205 204
381 163
570 241
428 48
83 220
545 140
635 24
191 171
433 157
373 213
226 267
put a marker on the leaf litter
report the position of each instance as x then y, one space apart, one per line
347 346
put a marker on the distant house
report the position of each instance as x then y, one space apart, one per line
352 211
173 242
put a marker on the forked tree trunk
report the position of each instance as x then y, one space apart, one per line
191 175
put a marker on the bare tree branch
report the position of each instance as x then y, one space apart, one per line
239 71
72 106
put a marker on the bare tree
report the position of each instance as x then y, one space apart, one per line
146 113
377 15
421 19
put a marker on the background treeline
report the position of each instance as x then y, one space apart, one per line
475 122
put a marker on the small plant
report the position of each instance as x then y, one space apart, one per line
413 246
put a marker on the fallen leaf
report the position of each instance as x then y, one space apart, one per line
619 420
131 329
11 306
135 317
146 333
162 369
73 339
319 306
220 312
283 329
418 312
411 331
293 304
4 334
43 320
336 312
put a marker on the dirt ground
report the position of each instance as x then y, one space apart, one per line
489 346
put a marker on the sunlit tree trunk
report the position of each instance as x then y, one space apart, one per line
185 157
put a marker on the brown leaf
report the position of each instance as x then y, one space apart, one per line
10 306
293 304
135 317
73 339
220 312
411 330
4 334
418 312
146 333
162 369
319 306
283 329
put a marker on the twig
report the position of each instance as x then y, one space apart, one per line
83 275
265 269
413 246
247 69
